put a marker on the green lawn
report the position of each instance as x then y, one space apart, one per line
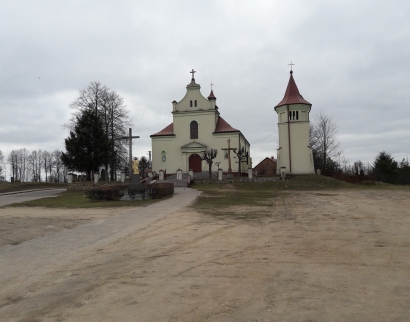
19 186
77 199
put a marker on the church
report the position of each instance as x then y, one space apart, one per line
197 126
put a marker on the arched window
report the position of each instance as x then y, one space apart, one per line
190 103
195 104
194 130
163 156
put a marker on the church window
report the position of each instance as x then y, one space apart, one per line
195 104
293 115
190 104
194 130
163 156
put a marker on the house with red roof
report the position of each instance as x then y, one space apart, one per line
294 154
198 126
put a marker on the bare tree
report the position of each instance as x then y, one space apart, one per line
1 162
58 166
209 156
324 142
12 161
18 160
110 106
242 155
46 156
35 163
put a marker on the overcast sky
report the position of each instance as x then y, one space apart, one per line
352 62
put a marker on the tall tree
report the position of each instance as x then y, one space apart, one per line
1 162
209 156
385 167
35 161
12 161
114 114
47 163
58 165
324 142
87 146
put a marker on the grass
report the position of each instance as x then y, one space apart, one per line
21 186
77 199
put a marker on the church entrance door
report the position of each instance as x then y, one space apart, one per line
195 163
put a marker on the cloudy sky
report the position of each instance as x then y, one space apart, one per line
352 62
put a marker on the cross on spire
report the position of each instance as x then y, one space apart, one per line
212 85
291 64
193 72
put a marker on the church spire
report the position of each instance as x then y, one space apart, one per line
292 95
211 96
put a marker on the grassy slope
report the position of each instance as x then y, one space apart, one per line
20 186
77 199
221 199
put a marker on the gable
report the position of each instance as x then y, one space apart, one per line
193 147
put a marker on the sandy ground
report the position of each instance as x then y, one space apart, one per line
320 256
21 224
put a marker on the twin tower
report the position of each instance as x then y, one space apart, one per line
294 152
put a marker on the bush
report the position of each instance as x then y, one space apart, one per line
107 193
160 190
133 192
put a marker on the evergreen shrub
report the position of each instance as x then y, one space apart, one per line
106 193
160 190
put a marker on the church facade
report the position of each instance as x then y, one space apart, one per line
294 153
197 126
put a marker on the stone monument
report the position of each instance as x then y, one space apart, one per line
135 177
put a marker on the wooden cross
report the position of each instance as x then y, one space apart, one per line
229 149
291 65
193 72
129 138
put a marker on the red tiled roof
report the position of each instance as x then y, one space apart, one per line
223 126
292 95
211 96
169 130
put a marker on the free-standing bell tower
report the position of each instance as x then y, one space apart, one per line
294 152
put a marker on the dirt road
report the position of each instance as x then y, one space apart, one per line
320 256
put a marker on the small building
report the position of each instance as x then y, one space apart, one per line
197 126
294 152
267 167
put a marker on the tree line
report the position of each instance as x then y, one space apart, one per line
35 166
328 156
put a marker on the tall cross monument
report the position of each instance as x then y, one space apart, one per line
129 138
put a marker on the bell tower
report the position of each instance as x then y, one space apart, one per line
294 152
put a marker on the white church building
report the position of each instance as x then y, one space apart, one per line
198 126
294 152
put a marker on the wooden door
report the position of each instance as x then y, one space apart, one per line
195 163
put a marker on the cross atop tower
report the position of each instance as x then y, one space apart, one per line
212 85
193 72
291 64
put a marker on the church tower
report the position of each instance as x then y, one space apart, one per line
294 152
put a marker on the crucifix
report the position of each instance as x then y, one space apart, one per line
193 72
129 138
291 65
229 149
